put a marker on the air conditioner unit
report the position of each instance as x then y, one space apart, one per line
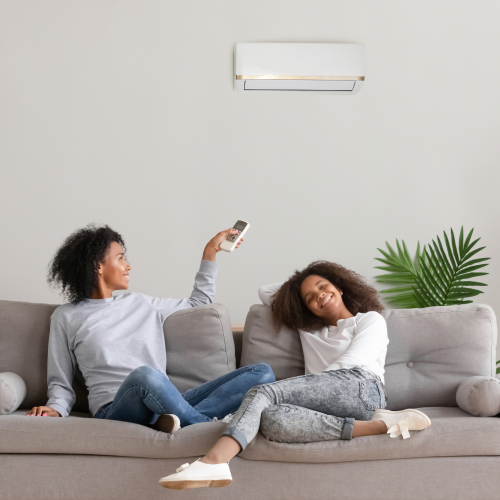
324 68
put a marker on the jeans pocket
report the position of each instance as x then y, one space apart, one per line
371 392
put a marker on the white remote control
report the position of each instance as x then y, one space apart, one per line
229 244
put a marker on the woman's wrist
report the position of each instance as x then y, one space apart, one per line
209 254
213 246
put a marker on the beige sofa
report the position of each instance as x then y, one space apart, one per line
430 352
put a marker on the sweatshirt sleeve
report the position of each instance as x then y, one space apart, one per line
369 341
267 292
203 292
61 364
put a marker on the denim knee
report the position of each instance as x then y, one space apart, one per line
266 373
145 376
262 390
256 389
270 423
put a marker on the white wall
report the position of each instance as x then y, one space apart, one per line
123 113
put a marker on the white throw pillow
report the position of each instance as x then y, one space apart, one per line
12 392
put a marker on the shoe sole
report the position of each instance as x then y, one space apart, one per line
188 485
404 411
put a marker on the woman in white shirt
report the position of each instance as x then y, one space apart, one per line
342 396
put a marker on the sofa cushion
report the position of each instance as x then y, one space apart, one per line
78 435
431 351
453 433
199 347
24 336
261 344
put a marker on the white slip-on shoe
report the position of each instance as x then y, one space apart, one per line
401 422
198 475
167 423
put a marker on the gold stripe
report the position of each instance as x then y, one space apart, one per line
298 77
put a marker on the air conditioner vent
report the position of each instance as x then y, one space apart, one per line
301 85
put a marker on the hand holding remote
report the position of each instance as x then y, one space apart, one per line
213 246
232 241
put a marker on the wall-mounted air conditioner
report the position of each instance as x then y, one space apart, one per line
326 68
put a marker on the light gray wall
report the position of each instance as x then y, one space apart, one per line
123 113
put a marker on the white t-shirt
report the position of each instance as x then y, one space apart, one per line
360 341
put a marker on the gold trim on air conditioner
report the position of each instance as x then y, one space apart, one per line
299 77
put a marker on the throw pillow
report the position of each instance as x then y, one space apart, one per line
12 392
479 396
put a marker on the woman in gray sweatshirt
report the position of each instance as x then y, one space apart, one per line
118 342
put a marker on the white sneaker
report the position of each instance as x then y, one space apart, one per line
198 475
401 422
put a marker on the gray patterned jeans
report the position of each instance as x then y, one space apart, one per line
316 407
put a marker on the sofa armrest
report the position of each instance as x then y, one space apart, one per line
480 396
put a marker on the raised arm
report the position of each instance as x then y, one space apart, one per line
203 292
369 340
267 292
204 284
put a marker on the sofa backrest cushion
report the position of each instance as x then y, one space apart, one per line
24 336
430 351
261 344
199 347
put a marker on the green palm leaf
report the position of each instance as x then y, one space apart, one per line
437 276
402 271
458 260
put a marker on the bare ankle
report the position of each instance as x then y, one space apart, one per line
210 459
223 451
368 428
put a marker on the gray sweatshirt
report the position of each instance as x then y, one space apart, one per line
108 338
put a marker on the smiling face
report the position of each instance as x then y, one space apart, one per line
114 269
321 297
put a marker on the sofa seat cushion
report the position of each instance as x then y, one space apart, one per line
453 433
77 435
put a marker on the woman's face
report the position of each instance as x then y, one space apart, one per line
114 269
320 296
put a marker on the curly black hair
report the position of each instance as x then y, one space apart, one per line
74 268
289 309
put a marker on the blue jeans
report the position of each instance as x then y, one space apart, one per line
147 393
